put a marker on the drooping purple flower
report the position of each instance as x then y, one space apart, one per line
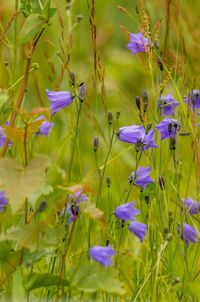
141 178
59 100
102 254
138 43
3 201
167 105
72 207
187 233
137 135
168 128
46 126
191 205
193 99
138 229
126 211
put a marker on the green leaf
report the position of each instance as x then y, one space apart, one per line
34 281
20 182
48 12
90 277
193 289
45 189
3 98
32 26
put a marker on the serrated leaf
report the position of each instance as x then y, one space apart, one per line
34 281
90 277
31 27
45 189
17 135
20 182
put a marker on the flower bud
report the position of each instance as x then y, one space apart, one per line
42 206
82 92
117 115
145 100
110 118
72 78
108 181
148 128
95 144
138 102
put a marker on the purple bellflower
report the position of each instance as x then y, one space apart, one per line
137 135
3 201
46 126
138 43
167 105
59 100
191 205
187 234
193 99
141 178
102 254
126 211
168 128
138 229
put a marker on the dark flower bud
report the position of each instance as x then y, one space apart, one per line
42 206
161 182
110 118
95 144
82 92
137 101
170 218
165 231
107 242
117 115
145 100
146 198
79 18
72 78
123 223
148 128
170 127
176 280
108 181
172 143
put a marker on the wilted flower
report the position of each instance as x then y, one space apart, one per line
72 207
168 128
187 233
82 92
138 43
137 135
141 178
126 211
102 254
59 99
138 229
193 99
191 205
167 105
3 201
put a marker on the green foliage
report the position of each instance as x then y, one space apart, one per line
31 27
193 289
90 277
35 280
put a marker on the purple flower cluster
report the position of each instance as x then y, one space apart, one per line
102 254
191 205
127 212
193 99
168 128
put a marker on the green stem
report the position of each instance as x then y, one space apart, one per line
74 143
